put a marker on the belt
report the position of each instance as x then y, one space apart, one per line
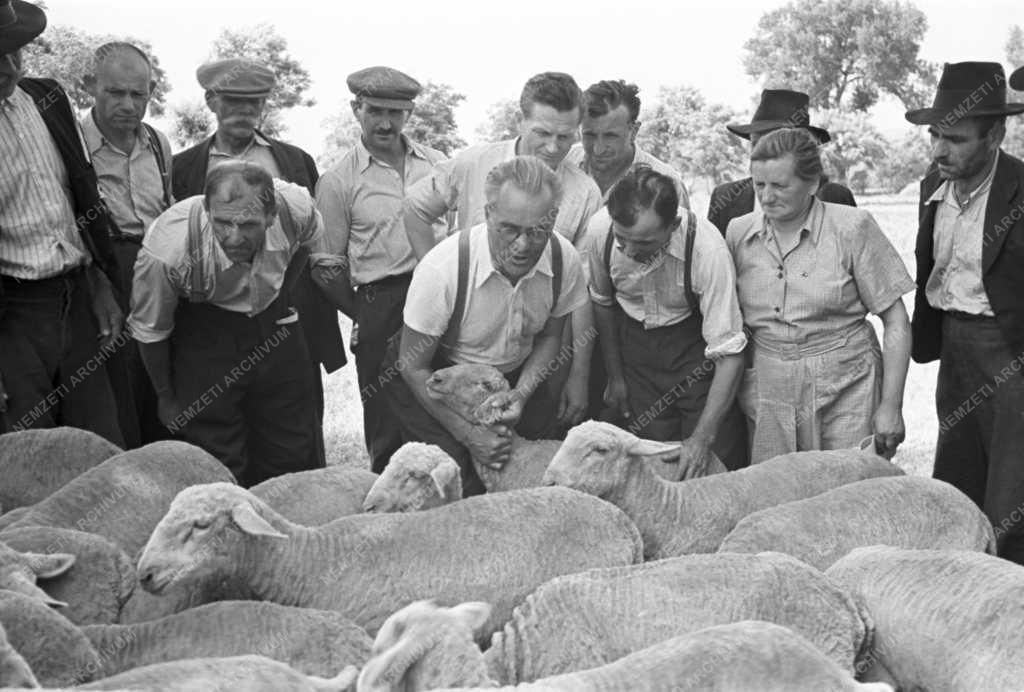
817 345
968 317
387 281
14 282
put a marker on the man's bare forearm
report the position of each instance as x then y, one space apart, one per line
604 321
156 357
724 383
420 234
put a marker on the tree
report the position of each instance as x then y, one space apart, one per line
343 132
1014 141
433 119
843 53
193 122
904 163
856 149
500 123
1015 47
684 130
66 54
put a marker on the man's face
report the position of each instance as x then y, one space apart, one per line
548 134
240 225
959 152
382 127
10 73
237 116
519 225
608 139
121 89
646 238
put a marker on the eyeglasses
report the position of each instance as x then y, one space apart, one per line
534 235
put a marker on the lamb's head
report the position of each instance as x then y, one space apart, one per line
202 535
464 388
14 670
597 458
19 572
419 476
425 646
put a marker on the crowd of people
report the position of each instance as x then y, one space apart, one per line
148 295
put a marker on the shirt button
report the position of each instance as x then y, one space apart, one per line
780 275
776 309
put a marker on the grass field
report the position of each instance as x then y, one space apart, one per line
343 426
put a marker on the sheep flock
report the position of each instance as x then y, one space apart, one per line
587 566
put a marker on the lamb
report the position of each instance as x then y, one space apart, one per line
314 642
424 646
589 619
694 516
902 511
35 463
55 650
124 497
946 619
418 476
20 570
316 497
14 670
498 547
99 578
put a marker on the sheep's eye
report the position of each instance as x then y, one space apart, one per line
202 524
601 449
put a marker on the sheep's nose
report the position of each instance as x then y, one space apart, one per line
369 507
146 578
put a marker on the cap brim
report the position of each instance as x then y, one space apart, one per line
762 126
400 104
31 22
242 94
934 116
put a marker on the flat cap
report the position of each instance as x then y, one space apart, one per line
384 87
236 77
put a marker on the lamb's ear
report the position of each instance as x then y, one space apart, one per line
249 522
387 670
443 476
473 613
662 451
49 566
19 583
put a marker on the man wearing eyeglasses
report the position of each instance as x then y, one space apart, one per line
664 292
496 294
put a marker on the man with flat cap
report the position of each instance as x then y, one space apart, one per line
360 199
59 316
969 306
778 108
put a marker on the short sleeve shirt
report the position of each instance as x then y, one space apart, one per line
500 320
842 268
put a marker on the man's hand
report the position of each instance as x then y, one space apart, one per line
889 429
694 457
617 396
167 409
572 404
489 445
503 407
109 317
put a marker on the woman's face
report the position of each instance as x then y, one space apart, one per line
783 195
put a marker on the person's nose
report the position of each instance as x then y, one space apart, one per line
939 148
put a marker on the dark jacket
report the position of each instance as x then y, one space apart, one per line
188 173
319 318
730 200
91 213
1002 260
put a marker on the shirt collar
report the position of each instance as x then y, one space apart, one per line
95 139
486 268
364 158
258 140
946 188
812 224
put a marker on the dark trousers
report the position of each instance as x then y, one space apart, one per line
417 425
668 378
379 316
246 388
980 402
51 367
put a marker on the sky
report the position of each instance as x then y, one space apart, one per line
487 51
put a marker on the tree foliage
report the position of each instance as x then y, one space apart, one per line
500 123
684 130
856 150
192 122
66 54
1014 141
433 119
1015 47
904 163
843 53
343 132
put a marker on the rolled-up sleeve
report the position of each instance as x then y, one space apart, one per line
714 280
154 300
878 270
430 301
435 194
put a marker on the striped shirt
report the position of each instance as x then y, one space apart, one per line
39 238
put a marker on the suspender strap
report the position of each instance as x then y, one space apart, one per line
161 161
609 241
196 256
556 270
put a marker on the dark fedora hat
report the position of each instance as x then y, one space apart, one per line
20 23
967 90
1017 79
780 108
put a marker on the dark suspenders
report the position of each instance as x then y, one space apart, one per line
161 162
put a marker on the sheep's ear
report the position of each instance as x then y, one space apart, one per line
443 475
245 518
662 451
49 566
19 583
473 614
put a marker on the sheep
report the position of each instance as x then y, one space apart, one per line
902 511
35 463
19 571
315 642
318 496
99 580
124 497
56 651
592 618
14 670
177 598
249 673
945 619
694 516
427 647
418 476
499 547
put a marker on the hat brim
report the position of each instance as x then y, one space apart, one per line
934 116
241 94
1017 79
400 104
762 126
31 21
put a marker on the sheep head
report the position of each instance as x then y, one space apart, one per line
419 476
464 389
200 534
424 646
597 458
19 572
14 670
